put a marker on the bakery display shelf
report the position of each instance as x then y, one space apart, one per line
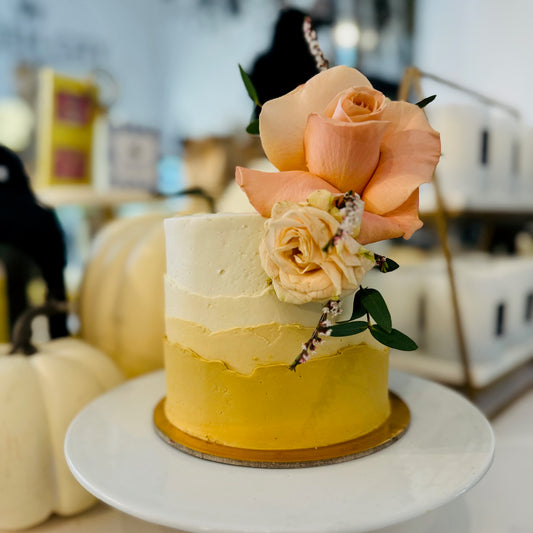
450 371
516 211
496 383
88 196
114 451
482 381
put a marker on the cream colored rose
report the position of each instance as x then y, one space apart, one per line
292 254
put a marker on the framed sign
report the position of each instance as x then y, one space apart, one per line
134 157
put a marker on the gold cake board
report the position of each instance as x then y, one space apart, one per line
390 431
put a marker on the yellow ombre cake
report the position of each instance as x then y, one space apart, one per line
230 342
273 345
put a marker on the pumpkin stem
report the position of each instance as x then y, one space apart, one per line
22 330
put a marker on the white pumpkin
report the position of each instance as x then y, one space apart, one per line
40 394
121 299
122 293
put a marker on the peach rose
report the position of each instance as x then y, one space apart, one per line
292 254
338 133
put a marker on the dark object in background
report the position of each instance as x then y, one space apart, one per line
388 88
30 231
288 62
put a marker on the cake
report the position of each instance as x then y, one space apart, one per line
273 343
230 341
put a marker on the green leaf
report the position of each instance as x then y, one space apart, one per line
344 329
388 265
374 303
358 309
252 93
423 103
384 264
393 339
253 127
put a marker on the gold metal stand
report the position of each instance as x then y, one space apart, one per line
490 399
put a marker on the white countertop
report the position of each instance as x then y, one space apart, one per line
500 503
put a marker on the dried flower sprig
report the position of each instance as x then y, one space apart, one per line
350 208
310 36
323 329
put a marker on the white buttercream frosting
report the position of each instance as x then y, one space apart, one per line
226 312
215 278
216 255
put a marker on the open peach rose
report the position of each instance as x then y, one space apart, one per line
293 255
339 134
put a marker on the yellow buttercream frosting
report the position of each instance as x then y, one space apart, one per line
230 341
243 349
329 399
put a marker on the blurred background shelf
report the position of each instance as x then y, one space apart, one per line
518 211
497 384
450 371
58 196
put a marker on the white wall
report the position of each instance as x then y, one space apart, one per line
176 63
203 91
486 45
124 32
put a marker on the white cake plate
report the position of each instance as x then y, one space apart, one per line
114 452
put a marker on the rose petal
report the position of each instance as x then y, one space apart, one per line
401 222
406 215
376 228
282 120
345 154
357 104
410 152
264 189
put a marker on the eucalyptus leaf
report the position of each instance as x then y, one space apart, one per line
358 309
374 303
393 339
345 329
253 127
252 93
423 103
